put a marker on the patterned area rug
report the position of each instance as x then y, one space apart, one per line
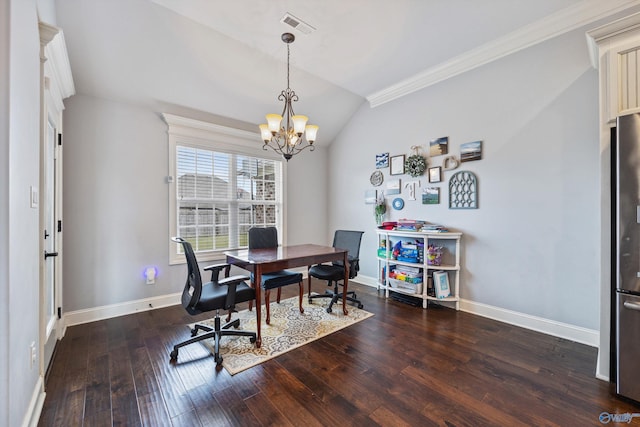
289 329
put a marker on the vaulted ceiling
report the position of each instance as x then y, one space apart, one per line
226 57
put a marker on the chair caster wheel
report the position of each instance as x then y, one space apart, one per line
360 306
252 340
329 310
194 332
174 355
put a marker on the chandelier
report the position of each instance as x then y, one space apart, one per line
283 132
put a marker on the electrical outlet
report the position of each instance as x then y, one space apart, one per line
32 350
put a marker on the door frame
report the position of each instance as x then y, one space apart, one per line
56 84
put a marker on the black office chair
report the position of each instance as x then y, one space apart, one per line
267 238
215 295
334 273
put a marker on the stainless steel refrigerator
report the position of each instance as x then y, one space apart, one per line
627 256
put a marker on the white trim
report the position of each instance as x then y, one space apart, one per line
114 310
585 336
598 35
36 403
554 25
57 64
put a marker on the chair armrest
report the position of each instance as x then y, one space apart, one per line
231 283
233 280
215 270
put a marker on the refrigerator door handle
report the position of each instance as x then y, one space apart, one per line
632 305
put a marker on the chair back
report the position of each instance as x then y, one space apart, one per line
349 240
263 237
193 287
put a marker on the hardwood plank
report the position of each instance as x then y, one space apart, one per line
150 401
124 401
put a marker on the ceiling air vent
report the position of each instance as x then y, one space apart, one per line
296 23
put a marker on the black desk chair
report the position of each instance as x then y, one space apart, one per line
334 273
215 295
267 238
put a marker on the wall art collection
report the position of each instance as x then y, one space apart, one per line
462 185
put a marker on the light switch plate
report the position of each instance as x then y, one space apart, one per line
33 191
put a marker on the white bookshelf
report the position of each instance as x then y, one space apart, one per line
450 263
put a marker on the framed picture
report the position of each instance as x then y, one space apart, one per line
435 174
441 283
370 197
471 151
393 186
397 165
430 196
439 146
382 160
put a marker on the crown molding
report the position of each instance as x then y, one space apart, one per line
604 33
56 60
554 25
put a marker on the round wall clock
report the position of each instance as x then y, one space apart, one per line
376 178
397 203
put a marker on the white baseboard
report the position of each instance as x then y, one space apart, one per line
114 310
36 403
586 336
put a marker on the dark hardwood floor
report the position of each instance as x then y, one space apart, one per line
405 366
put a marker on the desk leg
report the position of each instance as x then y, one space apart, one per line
257 278
346 283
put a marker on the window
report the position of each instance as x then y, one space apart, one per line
219 189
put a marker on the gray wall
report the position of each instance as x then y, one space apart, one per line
20 256
533 245
116 206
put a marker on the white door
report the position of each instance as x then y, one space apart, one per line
51 235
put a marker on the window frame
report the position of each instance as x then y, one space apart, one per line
208 136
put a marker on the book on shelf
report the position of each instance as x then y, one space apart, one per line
408 269
434 228
441 284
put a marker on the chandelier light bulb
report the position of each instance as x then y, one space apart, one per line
299 122
311 132
265 133
273 121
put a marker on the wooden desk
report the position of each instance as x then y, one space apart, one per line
259 261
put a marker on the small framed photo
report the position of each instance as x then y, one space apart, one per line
397 165
431 196
370 197
471 151
393 186
439 146
435 174
382 160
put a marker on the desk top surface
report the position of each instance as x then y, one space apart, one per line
261 256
